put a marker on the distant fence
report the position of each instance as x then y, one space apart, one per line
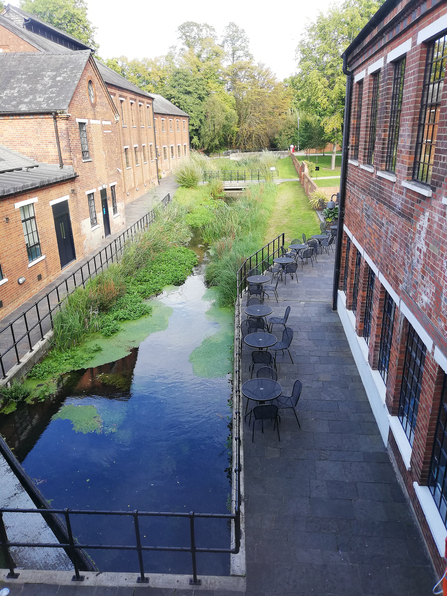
22 335
239 175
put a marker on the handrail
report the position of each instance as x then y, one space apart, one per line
262 259
239 175
28 334
73 546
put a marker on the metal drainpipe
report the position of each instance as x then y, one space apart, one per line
155 141
61 163
344 167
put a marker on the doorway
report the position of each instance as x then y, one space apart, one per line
64 233
105 212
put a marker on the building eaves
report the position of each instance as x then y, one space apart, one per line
29 19
40 43
42 175
164 106
33 82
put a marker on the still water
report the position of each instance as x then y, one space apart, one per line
148 432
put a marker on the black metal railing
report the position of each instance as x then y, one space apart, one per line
73 546
261 260
240 175
22 335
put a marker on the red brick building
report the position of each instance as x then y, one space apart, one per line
61 108
391 262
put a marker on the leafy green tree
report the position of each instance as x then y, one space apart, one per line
235 44
149 75
220 126
68 15
320 83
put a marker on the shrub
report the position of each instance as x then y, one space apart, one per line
310 167
188 174
318 199
216 188
15 393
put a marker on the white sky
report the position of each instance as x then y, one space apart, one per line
147 29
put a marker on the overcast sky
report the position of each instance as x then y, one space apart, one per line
146 29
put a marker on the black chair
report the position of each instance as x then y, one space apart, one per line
305 255
326 244
284 252
251 301
279 320
261 357
290 269
265 412
256 290
284 344
304 238
266 372
285 402
253 272
323 227
314 244
245 328
271 288
256 324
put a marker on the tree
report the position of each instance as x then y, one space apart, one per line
150 75
320 83
68 15
235 44
220 125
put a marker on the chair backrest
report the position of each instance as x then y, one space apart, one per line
331 240
296 392
291 267
307 253
287 336
304 238
323 227
253 272
245 326
296 241
255 289
283 250
313 244
261 357
266 372
286 314
256 324
265 412
252 301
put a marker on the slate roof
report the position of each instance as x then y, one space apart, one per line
33 82
53 32
113 78
40 43
19 173
163 106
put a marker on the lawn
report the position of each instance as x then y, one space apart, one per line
292 214
324 163
286 169
327 183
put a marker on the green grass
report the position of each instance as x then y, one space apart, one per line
292 214
286 168
324 163
335 182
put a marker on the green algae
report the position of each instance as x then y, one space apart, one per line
130 336
85 419
209 360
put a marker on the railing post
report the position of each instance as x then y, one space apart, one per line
6 554
141 579
76 577
194 581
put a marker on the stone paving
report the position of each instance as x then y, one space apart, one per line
325 514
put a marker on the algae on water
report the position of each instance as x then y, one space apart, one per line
85 419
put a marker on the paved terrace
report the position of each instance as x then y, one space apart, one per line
325 514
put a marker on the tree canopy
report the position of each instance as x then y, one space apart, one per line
68 15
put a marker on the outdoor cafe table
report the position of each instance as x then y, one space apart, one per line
258 279
260 340
261 390
319 236
283 261
297 246
258 310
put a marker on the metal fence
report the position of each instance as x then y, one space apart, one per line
239 175
73 547
20 336
260 260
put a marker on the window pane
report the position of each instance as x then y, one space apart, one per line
437 480
396 107
357 121
368 305
30 232
386 336
373 119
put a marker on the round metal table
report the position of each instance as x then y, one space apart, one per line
258 310
283 260
258 279
297 246
261 390
260 340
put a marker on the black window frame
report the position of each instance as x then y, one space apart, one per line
373 118
434 75
92 209
386 336
114 204
1 273
395 112
346 270
144 153
84 141
123 123
438 463
355 144
355 287
30 232
368 305
411 385
137 160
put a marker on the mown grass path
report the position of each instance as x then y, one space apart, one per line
292 214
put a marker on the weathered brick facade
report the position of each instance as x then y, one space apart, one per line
396 220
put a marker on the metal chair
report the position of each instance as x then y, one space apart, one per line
290 269
305 255
251 301
284 344
256 324
265 412
290 402
266 372
256 290
279 320
271 288
314 244
261 357
304 238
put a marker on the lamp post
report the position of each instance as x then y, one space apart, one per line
298 132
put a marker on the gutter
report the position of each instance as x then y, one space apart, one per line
61 163
344 168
